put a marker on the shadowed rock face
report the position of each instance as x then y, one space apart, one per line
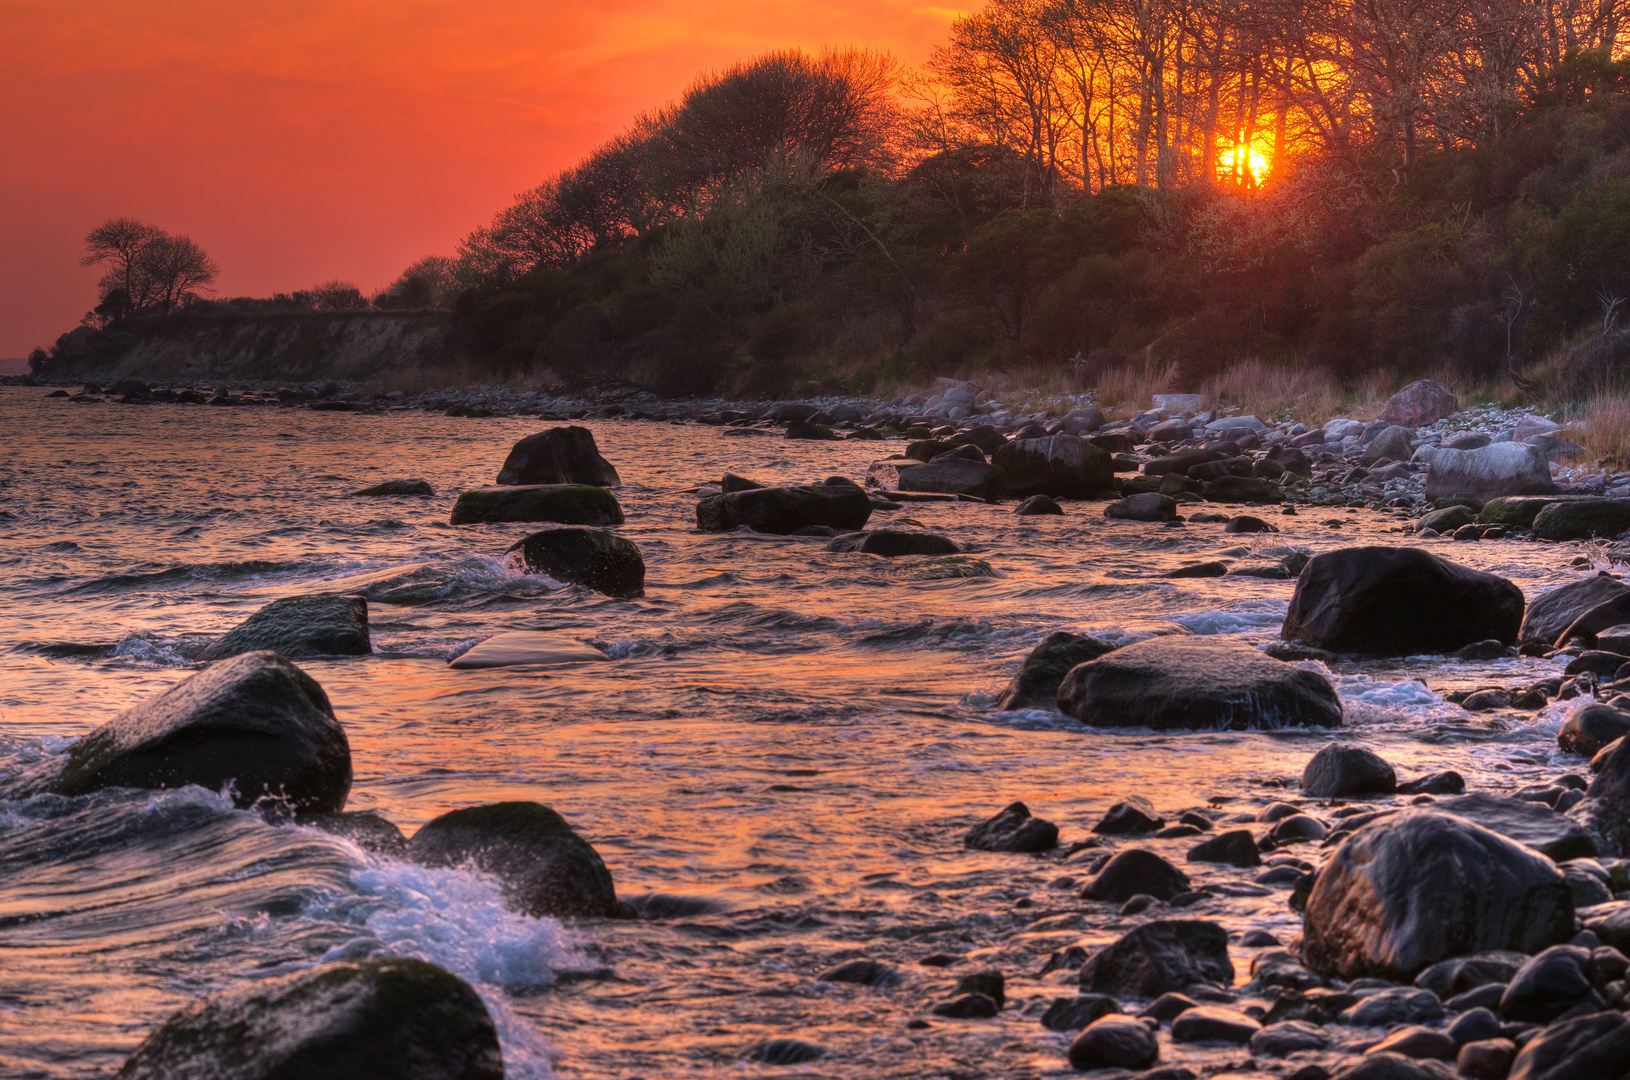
565 504
255 721
593 558
1196 683
1419 887
379 1019
785 510
1036 684
295 627
1384 601
565 455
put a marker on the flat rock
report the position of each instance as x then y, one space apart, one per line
956 477
1535 825
565 504
297 627
892 543
397 488
1196 683
785 510
526 647
1144 506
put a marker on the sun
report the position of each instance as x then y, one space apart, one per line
1243 165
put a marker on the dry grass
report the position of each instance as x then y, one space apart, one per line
1129 389
1603 426
1307 393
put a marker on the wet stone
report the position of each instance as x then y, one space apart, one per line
1075 1013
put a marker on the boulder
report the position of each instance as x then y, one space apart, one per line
1515 510
593 558
565 455
1131 816
1579 519
1038 504
1075 1013
1181 462
1014 829
1595 1046
1504 468
1214 1024
1393 444
1169 431
1604 812
1422 886
1446 520
1548 985
379 1019
1160 957
565 504
544 867
1612 612
397 488
1552 612
1449 978
1420 403
1144 506
891 543
1134 873
324 624
1245 523
254 721
785 510
1386 601
1063 466
1394 1005
1531 824
1114 1042
526 647
862 972
1342 770
955 476
1234 848
1196 683
1591 727
131 388
1036 684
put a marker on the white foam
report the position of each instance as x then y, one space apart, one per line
1250 615
147 647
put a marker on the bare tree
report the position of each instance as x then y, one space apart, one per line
148 268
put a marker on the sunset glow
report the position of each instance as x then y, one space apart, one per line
1246 166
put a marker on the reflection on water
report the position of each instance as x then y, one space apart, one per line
787 747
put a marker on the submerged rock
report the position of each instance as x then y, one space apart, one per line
1036 684
1063 466
565 455
593 558
1134 873
367 829
1160 957
1421 886
892 543
1131 816
377 1019
1038 504
325 624
1196 683
566 504
544 866
254 721
784 510
1144 506
1013 830
397 488
1385 601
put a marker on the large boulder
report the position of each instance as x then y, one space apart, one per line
1063 466
1504 468
325 624
1420 403
1036 684
254 721
564 455
1591 727
785 510
1579 519
1392 444
545 868
1385 601
1160 957
1422 886
1516 510
565 504
956 476
1596 1045
377 1019
593 558
1196 683
1553 612
1531 824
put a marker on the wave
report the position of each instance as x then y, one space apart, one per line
189 573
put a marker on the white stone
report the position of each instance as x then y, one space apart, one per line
527 647
1236 423
1180 403
1502 468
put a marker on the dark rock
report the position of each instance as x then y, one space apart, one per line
593 558
1591 727
1296 828
783 1052
398 487
1516 511
1392 443
1446 520
1168 1007
325 624
566 504
378 1019
1421 886
1245 523
1453 977
1075 1013
1343 770
1553 612
1114 1042
873 973
891 543
956 477
131 388
1487 700
556 457
1473 1025
1447 782
1180 463
732 482
1036 684
367 829
967 1007
1063 466
1486 1059
1159 957
1419 404
1129 817
1288 1037
1145 506
1531 824
544 866
1395 1005
1595 662
1417 1042
785 510
1013 830
806 430
1398 601
1200 570
255 721
1612 612
1133 873
1214 1024
1038 504
1596 1046
1244 489
1578 519
989 983
1548 985
1236 848
1196 683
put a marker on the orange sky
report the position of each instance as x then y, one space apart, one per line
299 140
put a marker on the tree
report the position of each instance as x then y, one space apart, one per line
428 283
337 295
148 269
